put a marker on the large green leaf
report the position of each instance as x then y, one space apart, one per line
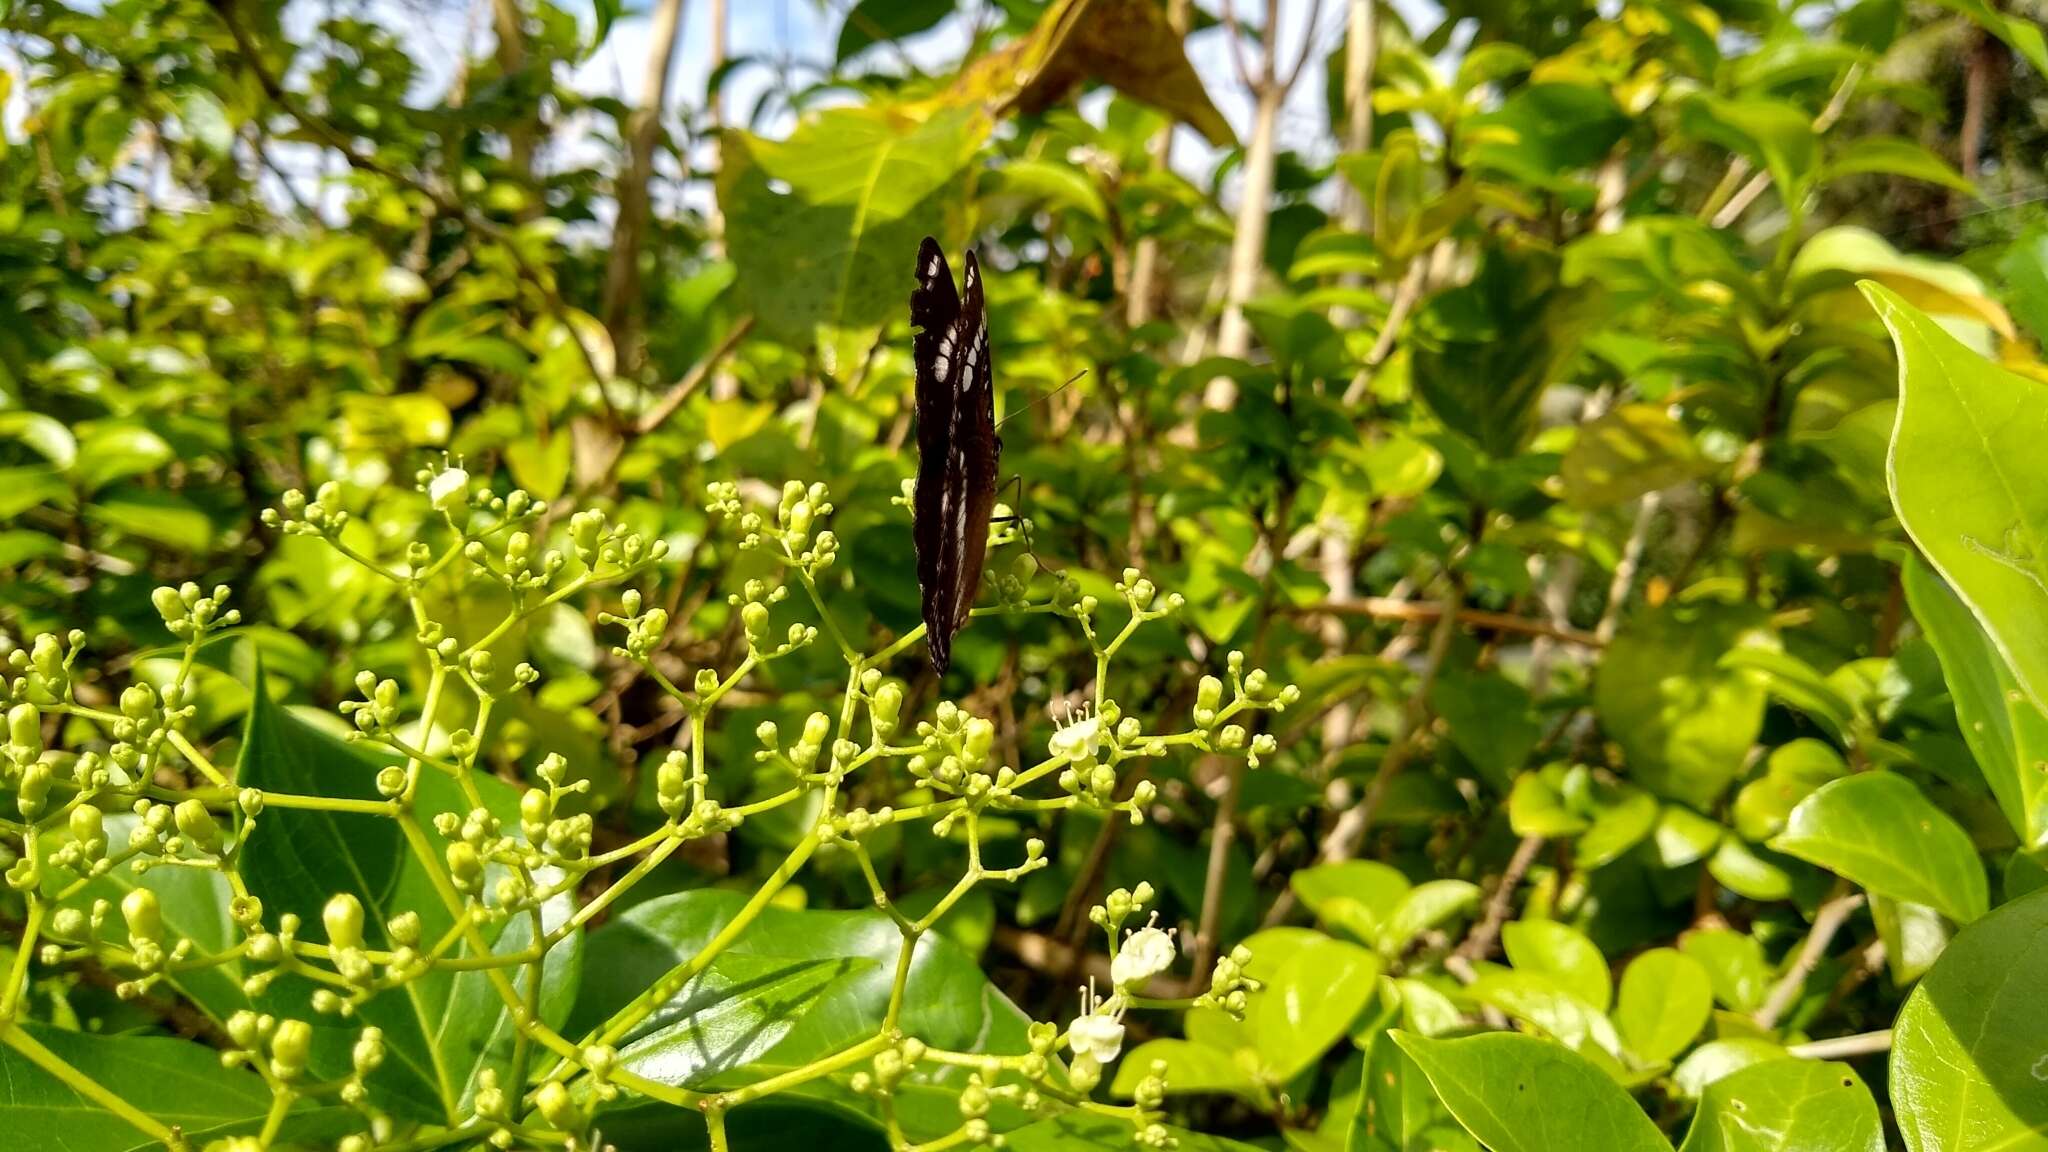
1484 352
1562 953
1309 1004
1966 1070
876 21
175 1082
948 1002
1787 1106
1878 830
733 1013
1400 1111
1684 719
1521 1094
1970 484
1666 998
823 225
2006 732
442 1029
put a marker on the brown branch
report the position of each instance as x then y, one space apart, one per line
666 407
1826 922
1390 608
1478 944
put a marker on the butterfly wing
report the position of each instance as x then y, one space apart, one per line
955 445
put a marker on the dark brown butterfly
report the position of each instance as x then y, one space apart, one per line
957 446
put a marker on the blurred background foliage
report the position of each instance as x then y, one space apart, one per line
1523 412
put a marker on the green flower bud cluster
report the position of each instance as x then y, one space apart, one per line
753 603
295 515
646 631
43 668
888 1069
1228 984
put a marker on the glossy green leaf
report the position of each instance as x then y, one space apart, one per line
1734 963
1666 997
1428 905
1878 830
1521 1094
1787 1106
1355 895
1541 1002
1896 156
732 1014
1310 1002
175 1082
1399 1111
876 21
1684 719
1966 1049
1968 485
442 1029
1632 450
1191 1068
1562 953
822 225
2006 731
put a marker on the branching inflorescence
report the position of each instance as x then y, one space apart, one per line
106 789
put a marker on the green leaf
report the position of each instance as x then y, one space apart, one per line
1539 1001
1735 966
1081 1131
1310 1002
1484 353
1666 998
1536 809
1744 872
47 435
1969 486
442 1029
1878 830
1966 1049
1191 1069
1400 1112
1777 135
948 1003
1897 156
1683 718
166 518
819 225
875 21
1631 450
176 1082
1490 718
1521 1094
1543 133
1787 1106
733 1013
1709 1063
2007 733
1564 955
1355 895
1427 905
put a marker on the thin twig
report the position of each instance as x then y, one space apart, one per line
666 407
1826 922
1478 944
1392 608
1843 1047
1351 827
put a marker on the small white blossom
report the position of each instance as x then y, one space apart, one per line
1077 741
448 488
1145 954
1097 1036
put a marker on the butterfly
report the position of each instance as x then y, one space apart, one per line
957 445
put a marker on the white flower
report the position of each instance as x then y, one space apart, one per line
1077 741
1145 954
448 488
1097 1036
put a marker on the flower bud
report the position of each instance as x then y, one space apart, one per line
672 783
165 599
34 790
552 1099
145 919
25 731
196 824
343 917
289 1047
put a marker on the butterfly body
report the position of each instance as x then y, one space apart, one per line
957 447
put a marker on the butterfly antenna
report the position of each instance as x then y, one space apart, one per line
1071 380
